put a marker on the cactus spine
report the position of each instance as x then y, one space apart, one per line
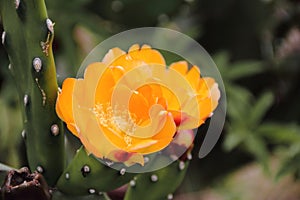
28 40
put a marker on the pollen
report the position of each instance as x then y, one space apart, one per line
117 119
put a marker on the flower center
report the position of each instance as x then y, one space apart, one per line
116 119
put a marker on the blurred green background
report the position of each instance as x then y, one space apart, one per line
256 46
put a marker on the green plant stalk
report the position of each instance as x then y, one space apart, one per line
87 175
57 195
160 184
28 40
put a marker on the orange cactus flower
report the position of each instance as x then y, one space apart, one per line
132 104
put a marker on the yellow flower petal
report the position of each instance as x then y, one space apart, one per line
147 55
64 104
134 47
214 91
112 55
159 141
64 100
181 67
193 76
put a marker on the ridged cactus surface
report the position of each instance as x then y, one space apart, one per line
27 38
160 184
87 175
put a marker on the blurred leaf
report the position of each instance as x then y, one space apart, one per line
280 133
233 140
238 102
257 147
243 69
236 70
290 162
260 108
245 119
222 59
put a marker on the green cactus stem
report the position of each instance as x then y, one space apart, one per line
85 174
57 195
27 38
160 184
